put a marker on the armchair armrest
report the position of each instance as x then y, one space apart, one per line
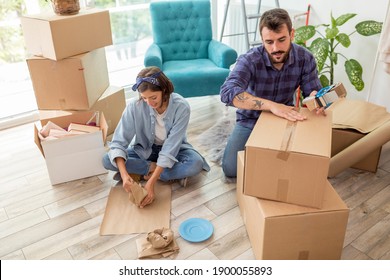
222 55
153 56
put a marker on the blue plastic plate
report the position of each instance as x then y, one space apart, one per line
196 229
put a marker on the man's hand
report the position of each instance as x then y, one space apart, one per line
286 112
318 110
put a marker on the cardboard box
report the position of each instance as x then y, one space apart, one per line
370 119
343 138
57 37
74 157
281 231
289 161
112 103
74 83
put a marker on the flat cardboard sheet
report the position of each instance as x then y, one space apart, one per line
358 114
123 217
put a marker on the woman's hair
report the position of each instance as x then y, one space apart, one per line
163 83
274 20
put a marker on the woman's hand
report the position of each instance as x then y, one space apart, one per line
127 181
126 178
149 187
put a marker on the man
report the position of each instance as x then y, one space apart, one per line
266 78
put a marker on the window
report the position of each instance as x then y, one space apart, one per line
130 25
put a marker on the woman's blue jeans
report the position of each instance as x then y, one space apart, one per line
189 163
236 143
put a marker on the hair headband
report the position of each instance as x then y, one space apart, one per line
150 79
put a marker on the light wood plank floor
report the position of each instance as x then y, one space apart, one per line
41 221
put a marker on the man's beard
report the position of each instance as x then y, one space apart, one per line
283 58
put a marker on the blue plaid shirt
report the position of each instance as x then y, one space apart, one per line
255 74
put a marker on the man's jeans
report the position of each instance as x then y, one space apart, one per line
236 142
189 163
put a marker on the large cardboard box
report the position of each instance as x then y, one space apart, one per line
74 83
289 161
112 103
74 157
343 138
57 37
281 231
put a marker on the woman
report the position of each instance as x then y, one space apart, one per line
150 138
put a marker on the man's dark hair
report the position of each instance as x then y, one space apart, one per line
274 20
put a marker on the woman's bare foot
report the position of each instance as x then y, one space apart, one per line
151 170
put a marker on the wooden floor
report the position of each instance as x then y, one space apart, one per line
41 221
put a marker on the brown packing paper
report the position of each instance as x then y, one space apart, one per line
145 249
357 114
137 194
366 118
359 150
123 217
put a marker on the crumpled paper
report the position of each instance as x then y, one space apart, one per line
158 243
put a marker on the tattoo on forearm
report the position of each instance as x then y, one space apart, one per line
241 97
257 104
244 98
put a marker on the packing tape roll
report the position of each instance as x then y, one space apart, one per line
359 150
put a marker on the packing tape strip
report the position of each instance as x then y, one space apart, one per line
282 189
285 147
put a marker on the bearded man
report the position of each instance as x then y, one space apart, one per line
266 79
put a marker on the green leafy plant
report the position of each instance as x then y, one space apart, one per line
330 39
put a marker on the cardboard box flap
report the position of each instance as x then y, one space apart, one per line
73 144
331 202
312 136
64 121
358 114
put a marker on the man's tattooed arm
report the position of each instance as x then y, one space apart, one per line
247 101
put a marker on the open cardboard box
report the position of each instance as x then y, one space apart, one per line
74 157
57 36
73 83
112 103
366 128
288 161
282 231
343 138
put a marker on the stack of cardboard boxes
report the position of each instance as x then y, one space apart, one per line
69 73
290 209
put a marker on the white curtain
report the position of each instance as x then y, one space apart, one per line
380 87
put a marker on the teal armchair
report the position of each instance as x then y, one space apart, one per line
184 49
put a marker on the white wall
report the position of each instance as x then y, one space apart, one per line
380 88
362 48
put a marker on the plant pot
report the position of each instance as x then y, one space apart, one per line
66 7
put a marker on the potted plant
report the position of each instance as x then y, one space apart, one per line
325 47
65 7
